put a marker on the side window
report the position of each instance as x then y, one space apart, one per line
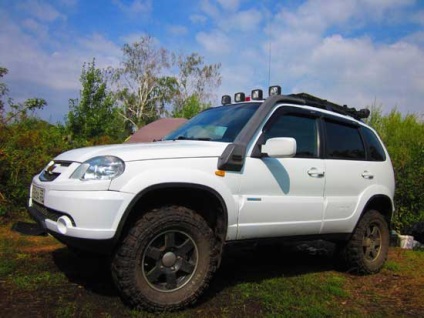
343 142
374 149
302 129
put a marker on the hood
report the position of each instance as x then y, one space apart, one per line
146 151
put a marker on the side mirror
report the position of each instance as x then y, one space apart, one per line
280 147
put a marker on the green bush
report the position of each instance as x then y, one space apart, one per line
404 139
26 146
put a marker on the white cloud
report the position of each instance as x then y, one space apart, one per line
323 47
38 29
134 8
215 42
418 17
51 74
352 70
198 19
41 10
177 30
356 71
231 5
245 21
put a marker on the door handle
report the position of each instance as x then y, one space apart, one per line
367 175
316 173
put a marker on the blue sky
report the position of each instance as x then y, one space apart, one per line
355 52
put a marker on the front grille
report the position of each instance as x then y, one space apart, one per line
50 213
53 170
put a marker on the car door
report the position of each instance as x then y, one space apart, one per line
284 196
348 174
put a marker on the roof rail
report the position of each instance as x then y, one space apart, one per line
325 104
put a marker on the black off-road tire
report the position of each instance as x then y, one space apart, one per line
166 261
366 251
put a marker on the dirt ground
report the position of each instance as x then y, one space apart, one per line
45 279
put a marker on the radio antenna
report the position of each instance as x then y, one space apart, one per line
269 50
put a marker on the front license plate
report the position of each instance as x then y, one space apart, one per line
38 194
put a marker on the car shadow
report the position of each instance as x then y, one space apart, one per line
241 262
247 263
90 272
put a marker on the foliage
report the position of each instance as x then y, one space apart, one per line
26 145
25 148
152 79
190 108
196 84
95 115
142 87
404 139
3 89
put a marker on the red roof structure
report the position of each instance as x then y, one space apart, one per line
156 130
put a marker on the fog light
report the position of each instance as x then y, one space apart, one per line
63 223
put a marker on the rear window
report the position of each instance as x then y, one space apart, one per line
343 142
375 150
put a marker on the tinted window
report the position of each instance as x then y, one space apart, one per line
374 148
302 129
221 123
344 142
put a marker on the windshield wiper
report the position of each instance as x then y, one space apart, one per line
187 138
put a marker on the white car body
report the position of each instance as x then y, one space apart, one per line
269 197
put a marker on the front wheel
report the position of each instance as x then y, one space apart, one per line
166 260
366 251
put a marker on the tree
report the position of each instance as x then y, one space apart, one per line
143 89
18 111
188 108
196 84
95 114
3 89
152 82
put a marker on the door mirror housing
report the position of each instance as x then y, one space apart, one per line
283 147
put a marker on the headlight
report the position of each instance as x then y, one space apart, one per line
99 168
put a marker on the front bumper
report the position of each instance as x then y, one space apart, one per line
104 246
96 246
86 220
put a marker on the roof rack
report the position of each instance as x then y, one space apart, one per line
325 104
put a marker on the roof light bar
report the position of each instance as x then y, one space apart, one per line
274 90
226 100
257 94
239 97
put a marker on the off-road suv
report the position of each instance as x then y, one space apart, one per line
290 166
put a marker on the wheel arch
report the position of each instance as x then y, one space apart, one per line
382 204
202 199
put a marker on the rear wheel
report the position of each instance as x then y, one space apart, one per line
166 260
366 251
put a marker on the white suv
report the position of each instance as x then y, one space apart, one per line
289 166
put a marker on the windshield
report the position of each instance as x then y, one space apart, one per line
221 123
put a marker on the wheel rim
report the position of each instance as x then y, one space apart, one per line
169 261
371 242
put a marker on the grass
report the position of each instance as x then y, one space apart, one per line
38 274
